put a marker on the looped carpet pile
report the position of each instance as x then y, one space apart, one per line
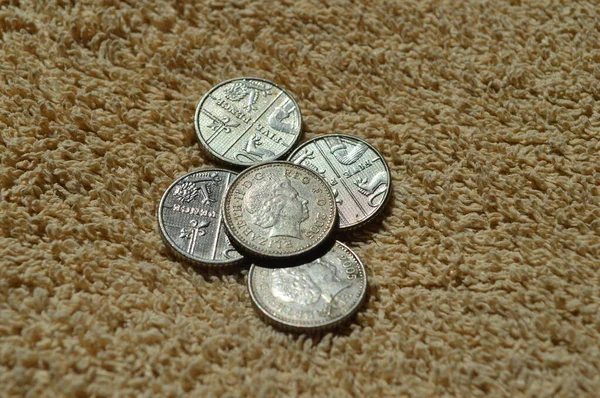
484 271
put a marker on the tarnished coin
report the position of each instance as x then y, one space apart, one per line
356 172
312 296
278 210
190 221
247 121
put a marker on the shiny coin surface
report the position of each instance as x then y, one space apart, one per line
278 210
312 296
189 218
247 121
356 172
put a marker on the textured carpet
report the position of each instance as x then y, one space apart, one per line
484 271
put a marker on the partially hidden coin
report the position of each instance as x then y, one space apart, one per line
356 172
248 120
190 221
313 296
278 210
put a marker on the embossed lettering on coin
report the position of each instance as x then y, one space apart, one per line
315 295
356 172
247 121
189 218
279 209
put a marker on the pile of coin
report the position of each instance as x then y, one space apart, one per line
280 216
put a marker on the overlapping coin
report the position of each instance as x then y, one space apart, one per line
355 171
313 296
246 121
189 218
278 210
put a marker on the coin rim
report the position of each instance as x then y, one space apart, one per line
242 247
290 326
387 169
208 150
168 241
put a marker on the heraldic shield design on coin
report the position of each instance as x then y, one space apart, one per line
316 295
279 209
246 121
189 218
356 172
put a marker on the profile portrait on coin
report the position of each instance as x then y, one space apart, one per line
307 284
277 206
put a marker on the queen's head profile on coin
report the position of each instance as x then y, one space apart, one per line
278 207
309 284
316 295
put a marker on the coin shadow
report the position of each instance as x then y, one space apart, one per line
319 252
286 262
374 226
210 272
344 329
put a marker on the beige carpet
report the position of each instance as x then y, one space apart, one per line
484 272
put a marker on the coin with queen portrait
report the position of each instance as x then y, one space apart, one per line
316 295
279 209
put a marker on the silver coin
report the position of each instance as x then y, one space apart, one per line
356 172
247 121
279 209
190 221
313 296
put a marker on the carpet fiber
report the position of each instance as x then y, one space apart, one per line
484 271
